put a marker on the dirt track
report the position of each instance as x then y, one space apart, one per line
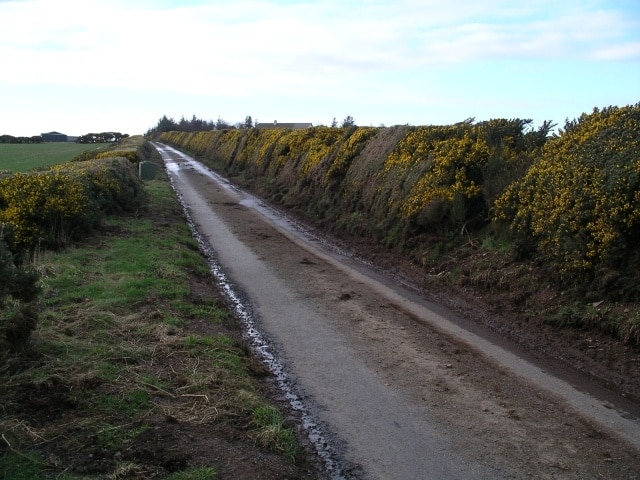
405 392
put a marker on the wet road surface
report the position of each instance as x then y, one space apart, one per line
392 388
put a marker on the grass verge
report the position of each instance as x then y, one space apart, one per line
133 357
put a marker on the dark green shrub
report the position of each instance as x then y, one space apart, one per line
18 287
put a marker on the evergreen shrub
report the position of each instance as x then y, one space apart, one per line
580 202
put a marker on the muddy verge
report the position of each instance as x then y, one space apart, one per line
521 316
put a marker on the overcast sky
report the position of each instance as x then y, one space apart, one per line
100 65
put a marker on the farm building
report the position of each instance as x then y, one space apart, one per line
54 137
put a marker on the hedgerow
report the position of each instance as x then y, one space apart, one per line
49 208
435 177
438 177
46 209
135 149
130 154
578 206
353 142
573 199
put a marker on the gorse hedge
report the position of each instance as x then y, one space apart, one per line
49 208
401 184
579 203
570 200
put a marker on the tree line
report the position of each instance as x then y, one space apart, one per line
195 124
104 137
12 139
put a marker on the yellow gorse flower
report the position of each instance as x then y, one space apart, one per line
575 197
580 200
49 206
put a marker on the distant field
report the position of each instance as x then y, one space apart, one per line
24 157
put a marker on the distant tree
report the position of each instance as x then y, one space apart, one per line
12 139
222 124
348 122
334 123
183 124
195 124
166 125
248 122
104 137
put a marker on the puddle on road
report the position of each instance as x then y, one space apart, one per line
259 343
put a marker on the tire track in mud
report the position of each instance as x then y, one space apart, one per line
405 392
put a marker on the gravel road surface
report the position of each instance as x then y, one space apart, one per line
398 387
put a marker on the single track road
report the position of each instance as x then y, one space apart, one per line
397 386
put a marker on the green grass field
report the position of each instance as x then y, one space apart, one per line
25 157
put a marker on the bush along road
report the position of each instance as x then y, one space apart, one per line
398 386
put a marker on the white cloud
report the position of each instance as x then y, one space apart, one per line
619 52
224 43
349 51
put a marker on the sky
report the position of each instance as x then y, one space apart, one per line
83 66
